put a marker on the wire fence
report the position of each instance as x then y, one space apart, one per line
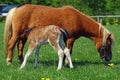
110 18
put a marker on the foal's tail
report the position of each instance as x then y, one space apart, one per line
65 34
26 33
8 29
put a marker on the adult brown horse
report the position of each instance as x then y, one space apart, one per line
74 22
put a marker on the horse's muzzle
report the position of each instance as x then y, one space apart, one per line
106 58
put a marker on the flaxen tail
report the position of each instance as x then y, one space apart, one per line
8 29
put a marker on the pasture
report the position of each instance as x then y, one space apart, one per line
86 61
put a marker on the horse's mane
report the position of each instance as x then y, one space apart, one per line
106 34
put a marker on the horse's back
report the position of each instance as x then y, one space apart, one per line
30 15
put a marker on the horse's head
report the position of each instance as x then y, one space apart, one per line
105 48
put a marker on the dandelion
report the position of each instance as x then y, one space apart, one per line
118 51
47 78
111 65
76 59
42 78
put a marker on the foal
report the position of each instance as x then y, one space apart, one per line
52 34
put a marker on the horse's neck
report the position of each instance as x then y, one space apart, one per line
100 34
93 30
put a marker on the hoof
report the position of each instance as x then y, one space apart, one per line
66 62
21 67
35 67
20 60
71 67
58 69
8 63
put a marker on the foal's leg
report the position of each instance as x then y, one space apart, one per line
67 53
20 47
60 52
36 56
30 49
61 55
69 45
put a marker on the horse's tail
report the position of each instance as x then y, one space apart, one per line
8 29
65 34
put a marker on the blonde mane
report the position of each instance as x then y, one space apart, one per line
106 33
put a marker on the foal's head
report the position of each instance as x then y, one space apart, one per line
104 45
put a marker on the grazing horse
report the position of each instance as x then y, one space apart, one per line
52 34
73 21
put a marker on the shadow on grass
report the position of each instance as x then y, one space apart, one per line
75 64
84 63
116 63
45 63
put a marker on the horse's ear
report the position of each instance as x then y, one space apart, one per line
109 36
110 39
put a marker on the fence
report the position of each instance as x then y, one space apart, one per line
100 18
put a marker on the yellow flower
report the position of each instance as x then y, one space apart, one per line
42 78
118 51
111 65
47 78
76 59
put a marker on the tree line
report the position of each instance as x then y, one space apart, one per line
90 7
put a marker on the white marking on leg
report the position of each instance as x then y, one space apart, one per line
67 53
26 57
60 52
7 61
61 55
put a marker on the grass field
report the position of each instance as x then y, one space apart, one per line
86 61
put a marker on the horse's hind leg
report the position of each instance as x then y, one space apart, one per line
20 47
11 46
59 50
36 56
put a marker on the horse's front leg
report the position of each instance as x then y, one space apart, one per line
69 45
20 47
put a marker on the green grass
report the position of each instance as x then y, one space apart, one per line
88 65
